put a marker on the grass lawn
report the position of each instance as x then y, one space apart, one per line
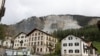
97 45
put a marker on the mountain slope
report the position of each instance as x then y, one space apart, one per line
53 22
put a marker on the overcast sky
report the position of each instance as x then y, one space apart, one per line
17 10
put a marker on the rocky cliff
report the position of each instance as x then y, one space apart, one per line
53 22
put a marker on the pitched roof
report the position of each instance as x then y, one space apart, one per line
90 44
80 38
38 30
19 34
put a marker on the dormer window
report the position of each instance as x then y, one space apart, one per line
70 38
22 36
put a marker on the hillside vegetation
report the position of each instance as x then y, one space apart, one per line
2 31
91 33
97 45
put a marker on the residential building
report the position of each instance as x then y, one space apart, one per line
39 41
20 41
77 46
7 42
2 8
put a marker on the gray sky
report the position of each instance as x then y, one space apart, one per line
17 10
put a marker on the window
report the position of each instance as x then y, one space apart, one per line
47 37
31 43
41 43
37 49
38 33
41 33
22 36
38 43
76 44
76 51
70 51
34 43
25 40
35 38
38 38
64 51
41 37
70 38
35 34
15 44
32 39
65 44
70 44
41 50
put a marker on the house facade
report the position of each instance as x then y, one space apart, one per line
20 41
75 46
39 41
7 42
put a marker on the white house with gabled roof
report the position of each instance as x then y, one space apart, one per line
39 41
75 46
20 37
7 42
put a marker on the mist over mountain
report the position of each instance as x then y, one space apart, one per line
53 22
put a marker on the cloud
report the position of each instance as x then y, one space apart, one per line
17 10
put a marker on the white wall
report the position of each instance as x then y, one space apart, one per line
7 43
18 39
74 40
44 40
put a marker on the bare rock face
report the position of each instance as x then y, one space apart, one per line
53 22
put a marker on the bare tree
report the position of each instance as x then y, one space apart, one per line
50 47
